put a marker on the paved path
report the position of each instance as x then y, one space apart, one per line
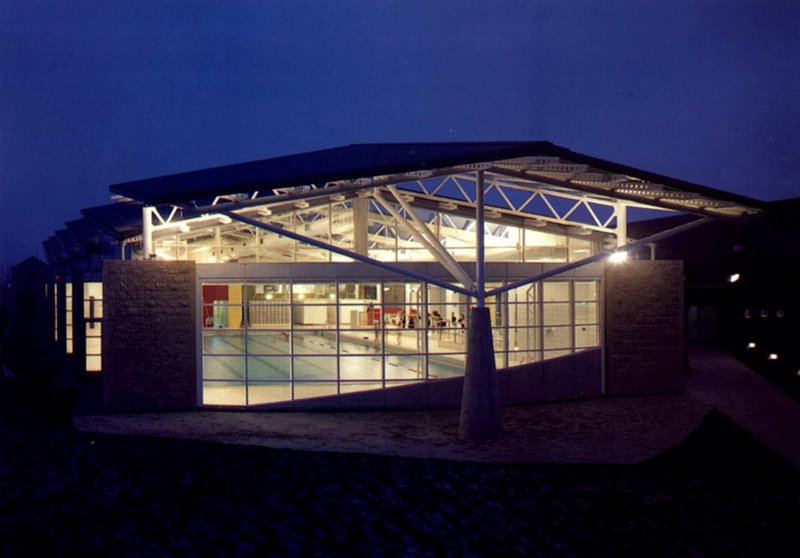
720 381
606 430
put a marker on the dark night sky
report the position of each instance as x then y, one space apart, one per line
98 92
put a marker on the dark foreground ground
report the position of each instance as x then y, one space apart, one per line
66 493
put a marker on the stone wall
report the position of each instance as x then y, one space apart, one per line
149 335
644 334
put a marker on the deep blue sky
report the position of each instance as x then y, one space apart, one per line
98 92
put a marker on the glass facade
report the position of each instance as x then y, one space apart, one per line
68 316
93 324
387 239
266 341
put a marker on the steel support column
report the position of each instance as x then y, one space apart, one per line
480 401
621 211
148 251
480 239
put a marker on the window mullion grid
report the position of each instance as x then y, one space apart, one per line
338 337
383 332
540 307
505 309
425 330
291 338
572 327
245 319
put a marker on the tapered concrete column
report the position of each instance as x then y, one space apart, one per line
480 401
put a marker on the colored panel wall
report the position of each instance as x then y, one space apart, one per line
645 337
149 341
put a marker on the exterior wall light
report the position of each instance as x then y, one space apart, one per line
618 257
751 345
773 356
734 277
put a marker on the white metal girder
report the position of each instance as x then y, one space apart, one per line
425 237
349 253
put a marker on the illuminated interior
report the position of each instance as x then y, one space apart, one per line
265 342
387 238
93 316
68 316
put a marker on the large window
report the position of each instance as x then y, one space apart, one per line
265 341
93 324
374 232
68 317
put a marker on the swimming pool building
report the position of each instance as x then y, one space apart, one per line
347 278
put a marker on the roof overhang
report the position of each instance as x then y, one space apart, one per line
361 165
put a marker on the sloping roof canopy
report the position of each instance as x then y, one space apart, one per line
538 162
122 220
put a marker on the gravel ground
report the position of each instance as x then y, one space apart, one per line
604 430
720 492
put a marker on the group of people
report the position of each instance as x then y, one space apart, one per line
435 320
410 321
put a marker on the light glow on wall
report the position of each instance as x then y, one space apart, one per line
618 257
